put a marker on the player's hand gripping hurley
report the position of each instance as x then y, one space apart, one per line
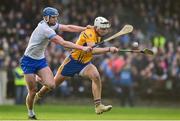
125 30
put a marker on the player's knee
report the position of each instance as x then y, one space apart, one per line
95 77
32 92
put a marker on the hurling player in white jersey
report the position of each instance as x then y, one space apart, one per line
34 63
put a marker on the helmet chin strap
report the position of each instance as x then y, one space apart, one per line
46 19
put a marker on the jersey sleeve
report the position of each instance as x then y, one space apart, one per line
49 33
56 27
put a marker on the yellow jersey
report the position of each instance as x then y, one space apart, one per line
89 35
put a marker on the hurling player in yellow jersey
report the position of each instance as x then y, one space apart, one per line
79 62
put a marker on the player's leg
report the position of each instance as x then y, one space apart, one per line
58 80
31 86
28 66
47 78
91 72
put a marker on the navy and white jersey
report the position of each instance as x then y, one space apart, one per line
39 40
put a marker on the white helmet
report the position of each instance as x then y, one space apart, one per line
101 22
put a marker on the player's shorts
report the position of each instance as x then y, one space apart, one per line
70 67
32 66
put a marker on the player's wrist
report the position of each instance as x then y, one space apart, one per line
81 48
84 28
89 27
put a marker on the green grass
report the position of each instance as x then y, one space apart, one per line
75 112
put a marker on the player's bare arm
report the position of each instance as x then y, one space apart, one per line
105 50
73 28
59 40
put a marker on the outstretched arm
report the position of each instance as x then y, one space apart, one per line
101 50
105 50
73 28
59 40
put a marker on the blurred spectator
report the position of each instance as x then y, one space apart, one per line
176 71
126 84
64 88
20 84
159 41
106 69
155 21
159 74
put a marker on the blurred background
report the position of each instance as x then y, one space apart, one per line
128 79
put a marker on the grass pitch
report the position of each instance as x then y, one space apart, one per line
79 112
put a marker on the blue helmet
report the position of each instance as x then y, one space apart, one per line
50 11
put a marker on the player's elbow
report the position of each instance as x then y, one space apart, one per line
59 40
62 42
65 44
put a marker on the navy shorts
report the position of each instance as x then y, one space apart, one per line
32 66
70 67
